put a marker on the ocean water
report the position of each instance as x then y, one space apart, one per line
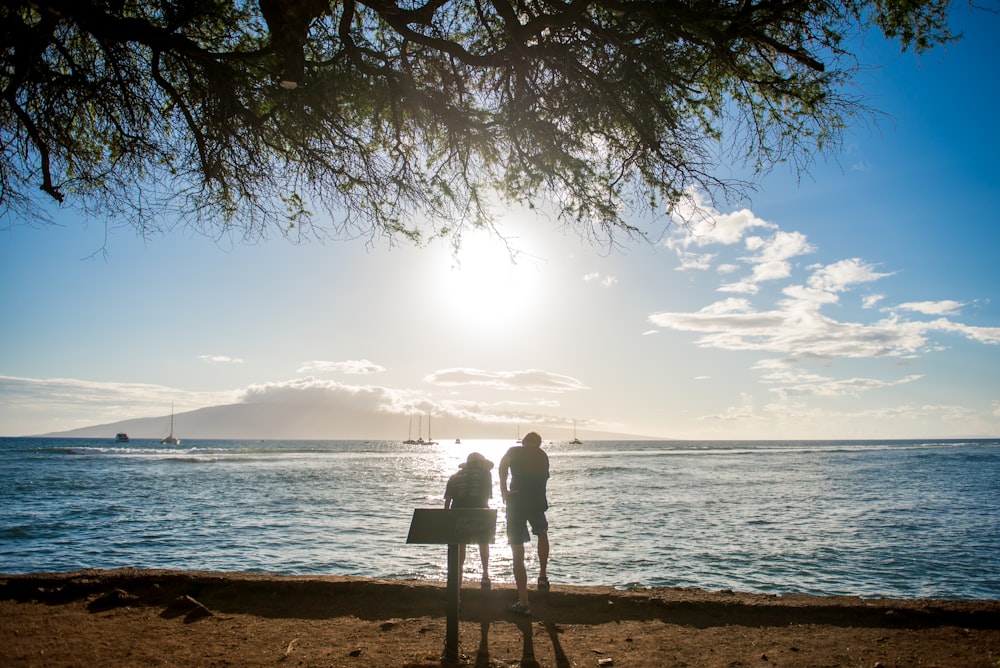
902 519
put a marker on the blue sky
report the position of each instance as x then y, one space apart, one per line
859 301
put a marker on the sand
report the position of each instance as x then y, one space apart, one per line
132 617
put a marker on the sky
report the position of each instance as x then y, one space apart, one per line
859 301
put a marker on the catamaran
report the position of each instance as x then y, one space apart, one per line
409 433
170 439
575 440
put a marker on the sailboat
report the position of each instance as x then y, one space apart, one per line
420 429
430 441
409 433
575 440
170 439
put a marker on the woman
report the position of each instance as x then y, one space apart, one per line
472 487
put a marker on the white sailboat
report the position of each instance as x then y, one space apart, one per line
409 433
430 441
420 430
170 439
575 440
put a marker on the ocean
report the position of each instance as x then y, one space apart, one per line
901 519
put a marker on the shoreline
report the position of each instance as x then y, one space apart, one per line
125 617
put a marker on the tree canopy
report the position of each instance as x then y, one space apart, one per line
407 118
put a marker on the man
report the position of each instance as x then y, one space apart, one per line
528 467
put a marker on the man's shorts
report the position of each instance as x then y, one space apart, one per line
517 525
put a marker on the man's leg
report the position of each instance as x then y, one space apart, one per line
520 573
543 554
484 558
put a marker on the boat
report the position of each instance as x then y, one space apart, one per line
170 439
575 440
121 437
430 441
409 434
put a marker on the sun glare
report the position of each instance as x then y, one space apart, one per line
484 286
491 448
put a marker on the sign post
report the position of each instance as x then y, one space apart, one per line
453 527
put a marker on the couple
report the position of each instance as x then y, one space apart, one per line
528 468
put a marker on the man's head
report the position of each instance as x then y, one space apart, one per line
531 440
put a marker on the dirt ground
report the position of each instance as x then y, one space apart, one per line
171 618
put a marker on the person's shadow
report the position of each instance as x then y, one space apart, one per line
528 660
562 661
483 655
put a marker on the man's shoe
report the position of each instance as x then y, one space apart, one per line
520 610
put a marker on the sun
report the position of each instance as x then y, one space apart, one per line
489 283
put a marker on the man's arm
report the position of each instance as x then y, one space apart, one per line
503 472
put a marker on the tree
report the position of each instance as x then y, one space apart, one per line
407 118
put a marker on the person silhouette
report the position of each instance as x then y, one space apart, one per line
472 487
528 467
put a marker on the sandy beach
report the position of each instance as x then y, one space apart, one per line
132 617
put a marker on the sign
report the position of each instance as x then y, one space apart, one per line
453 526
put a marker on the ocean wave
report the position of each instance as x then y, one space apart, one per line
892 518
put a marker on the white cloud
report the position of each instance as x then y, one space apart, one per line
80 403
352 367
333 395
800 296
796 328
869 301
595 277
732 414
741 413
695 261
220 359
987 335
798 412
310 390
946 307
700 224
796 324
772 260
745 286
794 383
528 380
807 323
72 391
838 276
